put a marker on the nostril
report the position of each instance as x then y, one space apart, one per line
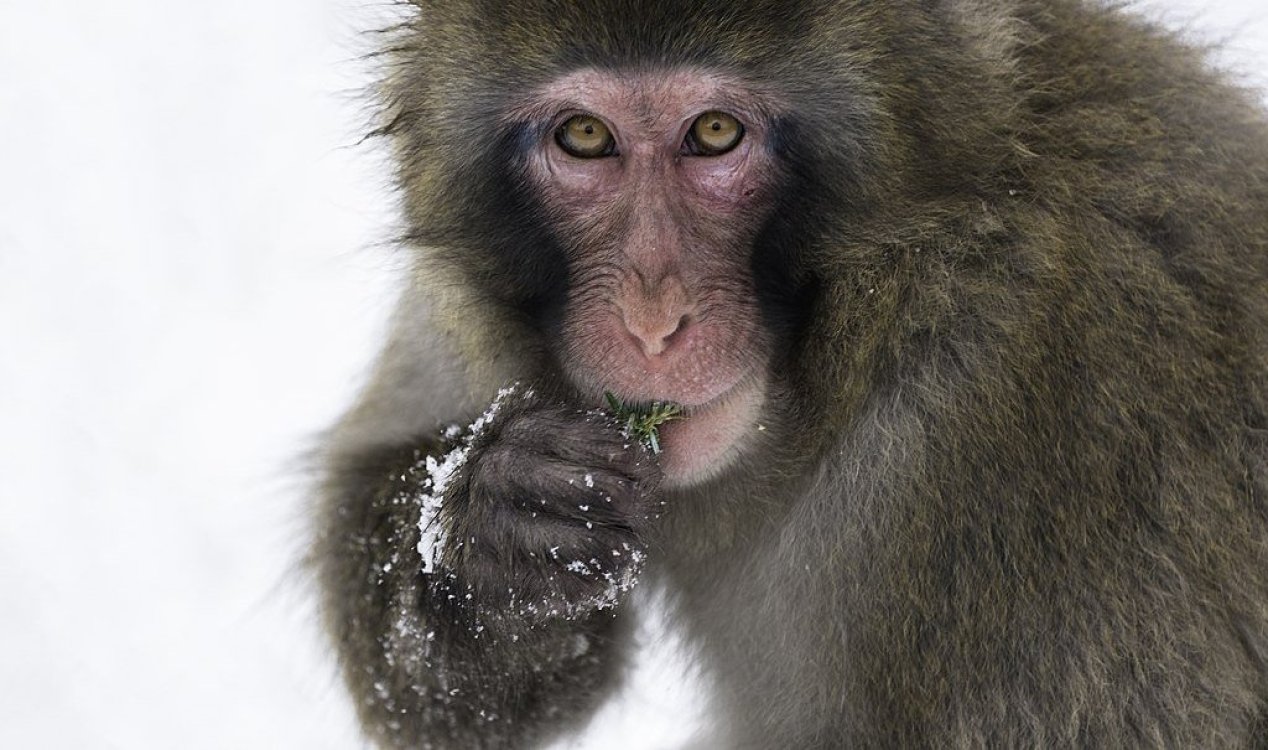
682 325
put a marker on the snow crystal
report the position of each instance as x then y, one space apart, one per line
431 541
617 583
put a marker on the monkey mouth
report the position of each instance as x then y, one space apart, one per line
688 407
709 436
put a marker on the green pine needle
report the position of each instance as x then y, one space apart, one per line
642 420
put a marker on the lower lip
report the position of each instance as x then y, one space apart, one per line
706 440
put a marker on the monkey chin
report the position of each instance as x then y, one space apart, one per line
711 436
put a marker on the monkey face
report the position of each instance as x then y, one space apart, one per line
656 186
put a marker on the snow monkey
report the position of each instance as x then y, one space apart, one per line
954 315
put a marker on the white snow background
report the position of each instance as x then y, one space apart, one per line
192 284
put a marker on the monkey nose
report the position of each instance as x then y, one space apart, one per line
656 334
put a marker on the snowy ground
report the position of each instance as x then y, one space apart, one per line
191 286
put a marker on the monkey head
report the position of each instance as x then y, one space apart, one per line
636 210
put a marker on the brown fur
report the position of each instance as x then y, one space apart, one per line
1014 490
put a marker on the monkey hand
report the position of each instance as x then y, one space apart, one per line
547 514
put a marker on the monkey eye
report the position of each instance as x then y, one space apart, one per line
713 133
585 137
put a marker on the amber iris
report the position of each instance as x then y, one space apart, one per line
714 133
585 137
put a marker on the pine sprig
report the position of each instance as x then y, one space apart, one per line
642 420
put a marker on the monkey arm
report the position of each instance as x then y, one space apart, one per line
424 671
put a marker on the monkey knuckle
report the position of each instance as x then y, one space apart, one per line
516 441
488 483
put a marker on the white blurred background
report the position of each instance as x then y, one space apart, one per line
193 279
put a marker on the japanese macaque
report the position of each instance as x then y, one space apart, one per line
962 311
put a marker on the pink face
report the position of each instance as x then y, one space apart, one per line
658 210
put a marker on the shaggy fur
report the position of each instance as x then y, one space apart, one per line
1014 487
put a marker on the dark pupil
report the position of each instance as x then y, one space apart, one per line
716 125
589 130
